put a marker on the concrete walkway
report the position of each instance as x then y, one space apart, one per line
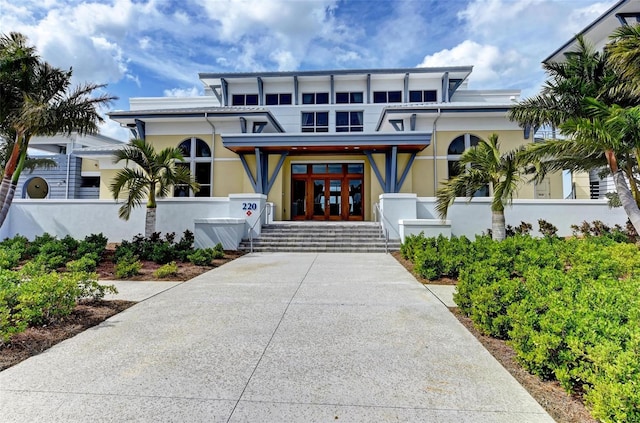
274 338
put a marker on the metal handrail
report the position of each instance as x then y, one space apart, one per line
384 232
265 207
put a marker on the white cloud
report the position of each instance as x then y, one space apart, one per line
278 30
182 92
490 64
525 32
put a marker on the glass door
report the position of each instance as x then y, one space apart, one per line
327 199
335 199
327 191
320 198
299 197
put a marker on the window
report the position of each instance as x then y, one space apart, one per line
428 96
89 181
244 100
276 99
197 158
456 148
349 98
387 96
348 121
315 98
315 121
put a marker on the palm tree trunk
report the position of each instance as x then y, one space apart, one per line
8 198
498 231
628 203
4 212
10 168
150 222
632 183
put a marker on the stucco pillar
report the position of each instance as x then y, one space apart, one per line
250 207
396 207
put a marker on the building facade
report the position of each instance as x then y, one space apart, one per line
323 145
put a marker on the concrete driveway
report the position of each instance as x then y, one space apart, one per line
274 338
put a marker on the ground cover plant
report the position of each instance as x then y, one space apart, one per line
569 307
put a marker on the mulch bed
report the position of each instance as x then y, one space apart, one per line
35 340
563 407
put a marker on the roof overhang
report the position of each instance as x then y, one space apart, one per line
129 118
598 31
351 143
215 79
393 113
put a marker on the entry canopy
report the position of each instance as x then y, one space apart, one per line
327 143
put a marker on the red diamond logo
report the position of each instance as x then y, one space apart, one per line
248 212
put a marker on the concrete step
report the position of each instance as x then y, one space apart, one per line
320 237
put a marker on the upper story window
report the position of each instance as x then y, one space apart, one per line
244 100
276 99
426 96
197 158
315 121
315 98
349 121
387 96
349 98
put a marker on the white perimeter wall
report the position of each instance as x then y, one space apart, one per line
471 218
80 218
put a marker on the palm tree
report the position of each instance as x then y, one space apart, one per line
614 132
152 177
624 54
484 165
584 73
36 101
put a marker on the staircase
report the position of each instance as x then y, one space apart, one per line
326 237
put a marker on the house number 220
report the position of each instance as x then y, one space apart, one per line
249 206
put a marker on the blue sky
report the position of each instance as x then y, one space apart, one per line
151 48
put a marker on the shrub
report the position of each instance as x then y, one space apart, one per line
46 297
90 289
547 229
33 248
218 251
9 291
202 257
124 249
17 243
169 269
185 246
92 244
127 266
86 263
162 252
523 229
9 257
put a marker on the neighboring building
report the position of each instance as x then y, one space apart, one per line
624 12
71 177
323 145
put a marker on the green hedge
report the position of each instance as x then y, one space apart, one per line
570 308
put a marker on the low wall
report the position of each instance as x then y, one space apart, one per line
230 219
474 217
80 218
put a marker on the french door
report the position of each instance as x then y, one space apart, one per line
327 192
